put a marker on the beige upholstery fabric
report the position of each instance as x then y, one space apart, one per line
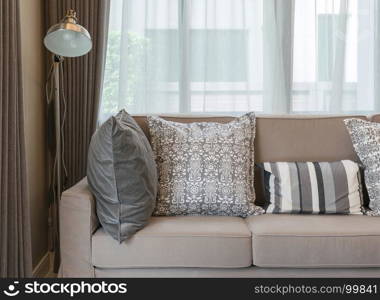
250 272
300 138
303 139
374 118
78 221
315 241
289 138
181 241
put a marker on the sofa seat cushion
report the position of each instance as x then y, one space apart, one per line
181 241
315 240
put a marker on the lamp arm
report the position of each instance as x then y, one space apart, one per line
57 59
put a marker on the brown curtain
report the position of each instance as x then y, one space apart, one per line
15 243
82 77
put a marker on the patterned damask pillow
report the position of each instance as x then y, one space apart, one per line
366 140
205 168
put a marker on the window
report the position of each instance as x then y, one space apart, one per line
216 72
233 56
334 55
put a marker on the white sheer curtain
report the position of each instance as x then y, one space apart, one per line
336 48
278 55
233 56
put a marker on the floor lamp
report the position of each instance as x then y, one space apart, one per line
65 39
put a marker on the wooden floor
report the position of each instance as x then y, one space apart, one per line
51 275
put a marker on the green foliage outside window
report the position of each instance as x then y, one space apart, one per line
118 94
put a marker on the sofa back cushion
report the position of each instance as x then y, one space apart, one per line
299 138
374 118
288 138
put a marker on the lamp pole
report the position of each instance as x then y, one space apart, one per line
57 121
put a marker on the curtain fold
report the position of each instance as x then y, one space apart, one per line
339 59
80 90
278 30
15 236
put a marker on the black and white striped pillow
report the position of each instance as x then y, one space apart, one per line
312 187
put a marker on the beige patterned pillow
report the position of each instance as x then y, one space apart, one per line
205 168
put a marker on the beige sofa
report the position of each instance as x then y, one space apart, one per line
260 246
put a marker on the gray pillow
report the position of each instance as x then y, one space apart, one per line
312 187
122 175
205 168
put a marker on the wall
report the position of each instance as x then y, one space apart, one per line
33 59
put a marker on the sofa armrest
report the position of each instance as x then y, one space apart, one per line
78 221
